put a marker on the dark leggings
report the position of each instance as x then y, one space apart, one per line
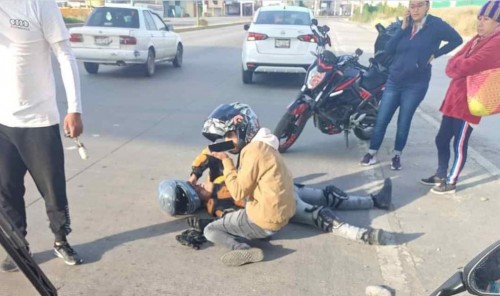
460 131
39 151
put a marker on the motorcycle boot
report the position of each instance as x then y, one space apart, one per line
382 199
374 237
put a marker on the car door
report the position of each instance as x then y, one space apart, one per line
169 38
155 35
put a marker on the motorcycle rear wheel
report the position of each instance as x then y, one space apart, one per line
289 129
365 129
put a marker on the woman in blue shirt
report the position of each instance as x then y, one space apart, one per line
413 47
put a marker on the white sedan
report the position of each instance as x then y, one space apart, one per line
125 35
279 39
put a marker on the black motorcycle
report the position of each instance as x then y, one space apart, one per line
339 93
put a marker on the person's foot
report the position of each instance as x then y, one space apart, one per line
198 223
444 188
240 257
396 163
8 265
368 159
374 237
64 251
432 181
382 199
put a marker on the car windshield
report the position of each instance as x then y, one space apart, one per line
283 17
114 17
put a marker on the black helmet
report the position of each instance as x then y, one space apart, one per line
231 117
178 197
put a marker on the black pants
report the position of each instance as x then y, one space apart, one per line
39 151
460 131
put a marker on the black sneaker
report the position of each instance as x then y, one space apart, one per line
8 265
432 181
396 163
444 188
240 257
368 159
64 251
382 199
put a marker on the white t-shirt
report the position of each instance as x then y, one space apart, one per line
28 29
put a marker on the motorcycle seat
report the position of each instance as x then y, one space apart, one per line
373 79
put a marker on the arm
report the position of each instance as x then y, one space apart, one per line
481 60
199 165
71 80
450 35
56 34
241 183
390 47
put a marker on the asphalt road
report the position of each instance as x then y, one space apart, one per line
141 130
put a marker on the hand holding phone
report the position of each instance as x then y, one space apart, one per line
221 146
406 20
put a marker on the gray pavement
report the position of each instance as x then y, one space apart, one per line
140 130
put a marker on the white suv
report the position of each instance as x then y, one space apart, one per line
279 40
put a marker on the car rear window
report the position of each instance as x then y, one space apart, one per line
114 17
283 17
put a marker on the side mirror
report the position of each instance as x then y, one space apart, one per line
169 27
359 52
482 274
246 27
314 22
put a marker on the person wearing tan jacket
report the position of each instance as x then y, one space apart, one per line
263 181
261 178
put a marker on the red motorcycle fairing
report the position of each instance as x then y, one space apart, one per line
349 77
299 106
364 94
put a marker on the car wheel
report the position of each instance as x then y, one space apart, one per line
91 68
150 65
246 76
178 56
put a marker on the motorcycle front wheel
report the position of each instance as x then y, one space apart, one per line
364 130
288 130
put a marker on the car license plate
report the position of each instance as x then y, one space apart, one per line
103 41
282 43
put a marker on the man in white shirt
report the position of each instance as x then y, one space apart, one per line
30 140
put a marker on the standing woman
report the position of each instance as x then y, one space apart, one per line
413 47
480 54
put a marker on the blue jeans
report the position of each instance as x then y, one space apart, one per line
407 97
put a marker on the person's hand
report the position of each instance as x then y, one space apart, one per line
431 59
406 20
220 155
192 179
73 126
